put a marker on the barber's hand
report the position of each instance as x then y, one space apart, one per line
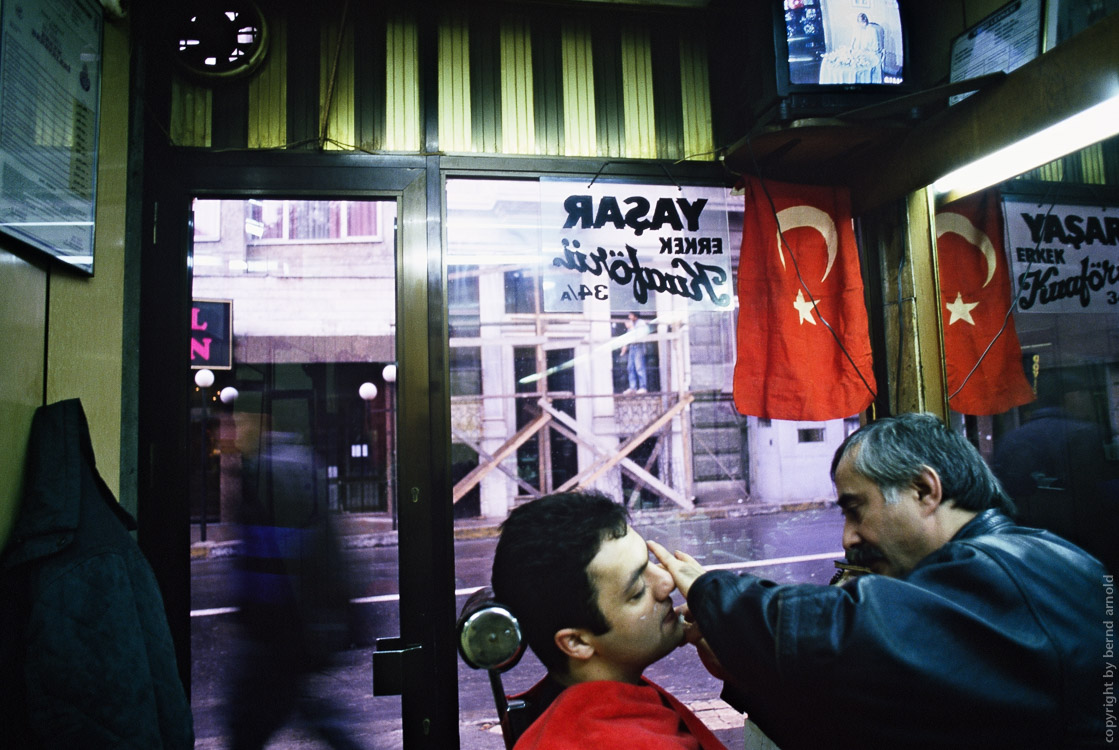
691 629
694 637
682 567
707 656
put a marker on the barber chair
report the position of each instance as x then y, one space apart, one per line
489 638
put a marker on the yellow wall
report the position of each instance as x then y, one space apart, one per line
66 329
23 319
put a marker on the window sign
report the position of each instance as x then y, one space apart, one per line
211 334
1064 258
634 243
50 72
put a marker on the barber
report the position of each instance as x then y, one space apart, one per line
969 632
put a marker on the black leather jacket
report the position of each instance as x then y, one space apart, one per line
997 639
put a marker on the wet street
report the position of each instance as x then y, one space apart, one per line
783 546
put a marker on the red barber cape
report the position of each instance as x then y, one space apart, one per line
803 344
974 300
607 714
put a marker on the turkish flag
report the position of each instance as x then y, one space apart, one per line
803 346
975 300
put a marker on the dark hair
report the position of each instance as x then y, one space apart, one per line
894 450
540 566
862 17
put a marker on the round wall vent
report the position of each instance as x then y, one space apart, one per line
220 40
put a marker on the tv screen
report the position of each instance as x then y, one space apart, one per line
842 43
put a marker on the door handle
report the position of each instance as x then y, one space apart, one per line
395 666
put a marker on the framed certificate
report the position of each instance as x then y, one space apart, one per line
50 87
1006 39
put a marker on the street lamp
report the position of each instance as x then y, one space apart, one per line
389 375
368 392
203 378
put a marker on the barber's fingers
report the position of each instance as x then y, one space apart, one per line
677 561
692 633
685 557
682 567
666 560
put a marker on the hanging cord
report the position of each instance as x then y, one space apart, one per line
901 339
800 278
333 76
618 161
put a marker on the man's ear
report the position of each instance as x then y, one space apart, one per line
575 643
929 490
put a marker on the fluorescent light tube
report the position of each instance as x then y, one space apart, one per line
1089 126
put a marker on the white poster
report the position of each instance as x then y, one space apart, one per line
1063 258
50 70
1003 41
629 243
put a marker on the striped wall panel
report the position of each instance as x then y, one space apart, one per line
267 98
577 66
609 110
485 81
454 82
526 81
336 84
301 79
547 76
637 99
191 113
1093 170
668 113
369 75
402 85
518 128
695 100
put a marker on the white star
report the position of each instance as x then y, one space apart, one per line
804 307
960 310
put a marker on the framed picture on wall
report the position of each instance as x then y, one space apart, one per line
50 92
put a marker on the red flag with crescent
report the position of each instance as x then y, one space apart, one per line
803 346
975 302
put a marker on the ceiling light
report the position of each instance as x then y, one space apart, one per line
1089 126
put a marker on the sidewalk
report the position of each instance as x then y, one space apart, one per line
362 530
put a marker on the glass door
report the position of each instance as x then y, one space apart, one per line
293 484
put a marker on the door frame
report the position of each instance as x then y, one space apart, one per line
429 703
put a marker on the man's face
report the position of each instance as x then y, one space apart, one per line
888 538
635 597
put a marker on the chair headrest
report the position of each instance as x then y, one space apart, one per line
489 636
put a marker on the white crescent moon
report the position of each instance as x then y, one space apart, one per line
955 223
808 216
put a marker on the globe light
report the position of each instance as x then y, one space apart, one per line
367 391
204 378
389 373
228 394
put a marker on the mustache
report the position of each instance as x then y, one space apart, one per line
864 555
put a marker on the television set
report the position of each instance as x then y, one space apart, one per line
832 56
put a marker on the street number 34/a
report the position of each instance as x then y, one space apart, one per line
598 291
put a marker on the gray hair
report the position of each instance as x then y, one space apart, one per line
893 451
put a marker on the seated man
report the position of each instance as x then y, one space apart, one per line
596 613
970 631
